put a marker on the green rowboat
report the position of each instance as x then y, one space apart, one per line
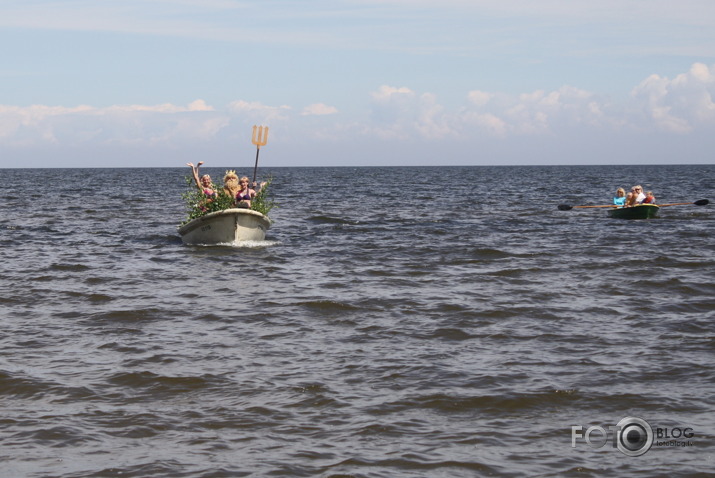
641 211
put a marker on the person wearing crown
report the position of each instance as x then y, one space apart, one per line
230 183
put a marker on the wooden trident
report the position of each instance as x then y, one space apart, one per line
259 138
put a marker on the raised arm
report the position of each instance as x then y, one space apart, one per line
257 187
195 172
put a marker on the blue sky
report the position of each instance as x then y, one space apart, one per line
93 83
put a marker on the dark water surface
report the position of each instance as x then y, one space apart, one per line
397 322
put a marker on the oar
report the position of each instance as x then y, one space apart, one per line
566 207
259 140
699 202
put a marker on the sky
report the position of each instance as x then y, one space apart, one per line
158 83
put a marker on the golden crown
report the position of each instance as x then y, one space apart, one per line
230 172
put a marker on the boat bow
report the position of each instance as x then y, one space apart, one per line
224 227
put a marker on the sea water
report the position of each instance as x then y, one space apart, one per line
396 322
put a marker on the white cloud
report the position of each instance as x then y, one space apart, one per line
128 124
395 112
386 93
479 98
675 105
319 109
259 112
197 105
432 122
679 105
23 125
487 122
538 112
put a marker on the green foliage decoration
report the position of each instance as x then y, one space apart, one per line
198 204
263 202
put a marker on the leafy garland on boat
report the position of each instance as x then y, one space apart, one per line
263 202
199 204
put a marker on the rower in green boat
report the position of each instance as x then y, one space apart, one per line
635 197
620 198
649 198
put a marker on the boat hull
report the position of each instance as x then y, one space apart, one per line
642 211
225 227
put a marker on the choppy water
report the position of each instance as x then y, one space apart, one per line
397 322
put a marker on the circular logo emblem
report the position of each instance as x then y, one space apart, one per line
634 436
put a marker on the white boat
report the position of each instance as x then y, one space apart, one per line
226 227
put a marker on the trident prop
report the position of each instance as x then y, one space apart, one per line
259 138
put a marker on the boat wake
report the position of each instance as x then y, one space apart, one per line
254 244
242 244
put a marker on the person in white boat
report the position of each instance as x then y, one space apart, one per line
246 194
635 197
204 184
230 183
239 191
